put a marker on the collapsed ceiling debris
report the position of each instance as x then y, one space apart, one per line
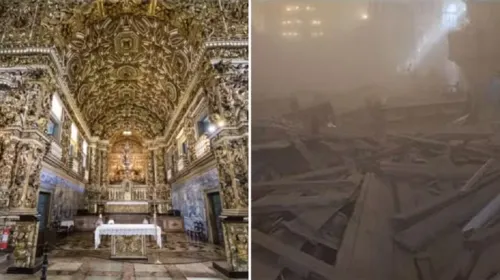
419 201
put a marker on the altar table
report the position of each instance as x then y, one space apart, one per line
128 240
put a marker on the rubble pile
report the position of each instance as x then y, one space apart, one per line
344 204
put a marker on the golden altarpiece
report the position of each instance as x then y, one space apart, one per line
132 66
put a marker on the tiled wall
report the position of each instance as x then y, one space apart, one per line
188 197
66 196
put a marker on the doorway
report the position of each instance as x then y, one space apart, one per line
43 209
214 210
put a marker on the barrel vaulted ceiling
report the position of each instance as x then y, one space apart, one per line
128 62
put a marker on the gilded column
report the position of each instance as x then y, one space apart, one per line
24 110
162 187
190 133
66 157
102 147
79 155
93 192
227 95
150 176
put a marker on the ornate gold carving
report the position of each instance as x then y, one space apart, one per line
138 165
127 208
228 93
79 155
150 179
231 154
24 99
104 169
190 133
23 193
66 158
128 246
161 177
8 148
236 243
24 239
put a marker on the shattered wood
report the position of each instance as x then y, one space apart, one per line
343 204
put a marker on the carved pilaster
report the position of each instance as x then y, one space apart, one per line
103 167
150 178
66 140
93 192
190 133
24 110
227 95
79 155
8 147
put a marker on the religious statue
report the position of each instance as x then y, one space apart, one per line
126 160
127 165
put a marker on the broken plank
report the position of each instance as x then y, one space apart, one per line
405 201
484 216
426 230
483 237
460 268
366 252
478 175
265 270
404 220
487 264
299 259
336 170
404 170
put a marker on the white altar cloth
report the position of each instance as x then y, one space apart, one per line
127 229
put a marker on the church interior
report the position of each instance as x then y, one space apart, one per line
123 139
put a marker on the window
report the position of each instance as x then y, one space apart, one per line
74 140
52 127
203 126
54 124
453 13
184 148
56 108
74 133
84 152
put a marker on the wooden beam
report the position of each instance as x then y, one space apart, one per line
455 214
404 170
484 216
298 259
366 251
472 182
404 220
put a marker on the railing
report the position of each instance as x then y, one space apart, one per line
119 193
202 147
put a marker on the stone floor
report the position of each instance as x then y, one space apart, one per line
181 258
98 269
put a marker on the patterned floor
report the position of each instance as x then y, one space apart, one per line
96 269
177 249
181 259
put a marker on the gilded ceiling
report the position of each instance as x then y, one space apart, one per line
128 62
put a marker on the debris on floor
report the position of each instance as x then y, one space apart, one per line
407 193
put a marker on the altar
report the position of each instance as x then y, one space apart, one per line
128 241
129 207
